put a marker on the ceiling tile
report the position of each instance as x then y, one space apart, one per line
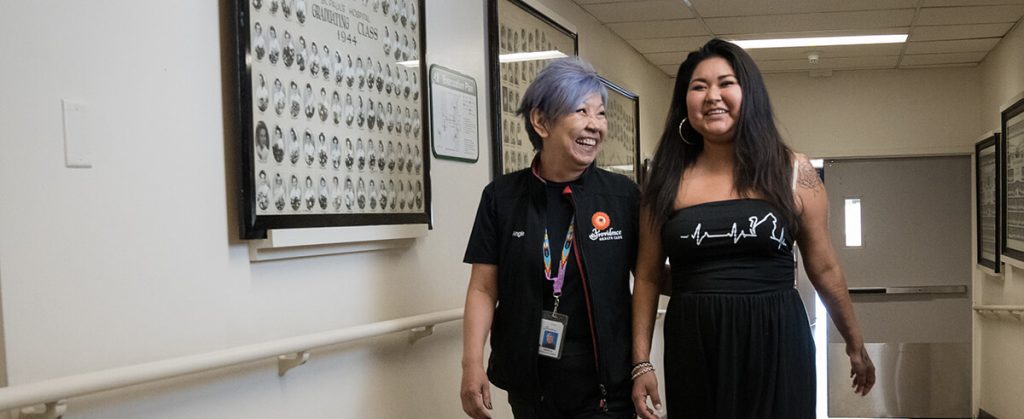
928 59
831 52
666 58
849 63
669 69
639 11
939 33
722 8
968 15
962 45
811 22
658 29
689 43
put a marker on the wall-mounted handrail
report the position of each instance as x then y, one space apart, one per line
996 311
51 391
290 353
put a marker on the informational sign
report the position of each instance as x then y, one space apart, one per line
453 104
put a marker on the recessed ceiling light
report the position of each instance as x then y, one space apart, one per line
820 41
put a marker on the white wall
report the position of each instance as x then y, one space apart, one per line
1000 343
878 113
137 260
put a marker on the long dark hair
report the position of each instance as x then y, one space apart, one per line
763 161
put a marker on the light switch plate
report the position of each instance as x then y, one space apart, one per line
77 142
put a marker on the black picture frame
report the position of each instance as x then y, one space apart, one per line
620 152
1012 181
987 155
287 40
510 147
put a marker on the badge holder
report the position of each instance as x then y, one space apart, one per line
552 326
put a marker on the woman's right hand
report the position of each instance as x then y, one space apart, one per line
644 386
476 392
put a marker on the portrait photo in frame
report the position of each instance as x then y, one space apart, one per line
621 150
516 28
333 114
987 153
1012 185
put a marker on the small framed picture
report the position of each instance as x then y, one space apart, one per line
987 153
521 40
1012 192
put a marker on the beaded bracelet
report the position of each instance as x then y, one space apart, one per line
641 368
642 371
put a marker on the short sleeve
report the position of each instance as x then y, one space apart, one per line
483 240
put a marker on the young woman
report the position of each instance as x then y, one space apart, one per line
727 202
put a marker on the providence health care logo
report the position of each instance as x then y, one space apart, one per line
602 228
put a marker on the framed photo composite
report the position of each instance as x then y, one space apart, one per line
332 106
1012 185
987 153
514 28
621 150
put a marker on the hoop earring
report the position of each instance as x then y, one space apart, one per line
681 136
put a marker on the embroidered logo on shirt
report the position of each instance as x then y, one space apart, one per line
602 228
600 220
518 234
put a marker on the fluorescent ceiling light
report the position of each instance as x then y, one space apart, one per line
820 41
530 56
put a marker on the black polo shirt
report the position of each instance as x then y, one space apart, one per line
509 232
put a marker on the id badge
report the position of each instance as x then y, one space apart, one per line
552 326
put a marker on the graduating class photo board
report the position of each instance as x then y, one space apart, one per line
333 113
1012 192
515 27
621 150
987 153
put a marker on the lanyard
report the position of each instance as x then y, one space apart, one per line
560 278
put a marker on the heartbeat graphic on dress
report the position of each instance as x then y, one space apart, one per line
778 234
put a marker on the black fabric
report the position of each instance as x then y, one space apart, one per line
567 391
559 214
737 341
509 233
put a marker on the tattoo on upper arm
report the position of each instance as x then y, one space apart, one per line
808 178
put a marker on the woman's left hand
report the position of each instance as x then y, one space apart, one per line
862 370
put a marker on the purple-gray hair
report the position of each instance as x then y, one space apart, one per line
558 89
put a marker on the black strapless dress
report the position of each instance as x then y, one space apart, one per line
737 341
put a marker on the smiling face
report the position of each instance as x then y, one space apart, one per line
573 140
713 100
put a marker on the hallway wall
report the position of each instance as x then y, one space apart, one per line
136 259
1000 343
878 113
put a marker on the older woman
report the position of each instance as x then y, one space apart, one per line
726 202
552 248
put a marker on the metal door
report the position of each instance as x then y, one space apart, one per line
910 283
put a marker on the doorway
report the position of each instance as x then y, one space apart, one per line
901 228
